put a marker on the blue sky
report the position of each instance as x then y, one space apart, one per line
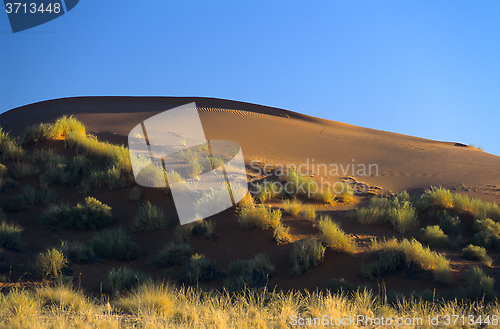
424 68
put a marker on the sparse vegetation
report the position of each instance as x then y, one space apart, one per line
434 237
268 190
392 252
89 215
345 192
260 217
477 253
200 268
310 213
115 244
298 184
292 206
334 237
150 218
122 280
174 254
281 234
9 147
50 263
305 254
325 196
251 273
477 285
10 235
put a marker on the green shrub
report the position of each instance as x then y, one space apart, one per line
477 285
403 216
292 206
173 254
47 196
488 233
450 224
259 216
345 192
10 235
251 273
310 213
370 215
281 234
435 237
78 252
50 263
437 198
200 268
122 280
150 218
30 195
334 237
413 253
135 194
477 253
268 190
115 244
89 215
306 254
16 203
343 286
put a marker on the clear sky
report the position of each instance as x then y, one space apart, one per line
424 68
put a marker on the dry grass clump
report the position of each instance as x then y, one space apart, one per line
201 227
10 148
298 184
148 298
325 196
282 234
345 192
250 273
306 254
260 217
122 280
89 215
412 252
478 285
64 298
150 218
50 263
334 237
115 244
477 253
397 210
10 235
292 206
200 268
174 254
309 213
268 190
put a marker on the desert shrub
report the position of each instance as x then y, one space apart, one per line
188 156
345 192
30 194
148 298
450 224
78 252
434 237
325 196
200 268
9 147
115 244
203 227
305 254
281 234
413 253
388 261
64 298
173 254
309 213
250 273
268 190
89 215
343 286
292 206
10 235
259 216
16 203
150 218
50 263
47 196
65 126
436 198
298 184
477 253
247 201
488 233
121 280
194 169
110 178
35 133
135 194
477 285
403 216
334 237
24 169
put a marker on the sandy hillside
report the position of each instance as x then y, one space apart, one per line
284 137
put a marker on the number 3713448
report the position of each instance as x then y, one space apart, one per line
32 8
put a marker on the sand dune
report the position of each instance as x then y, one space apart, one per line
284 137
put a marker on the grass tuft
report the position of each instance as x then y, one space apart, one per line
334 237
477 253
174 254
251 273
122 280
150 218
200 268
306 254
115 244
477 285
292 206
435 237
10 236
260 217
50 263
